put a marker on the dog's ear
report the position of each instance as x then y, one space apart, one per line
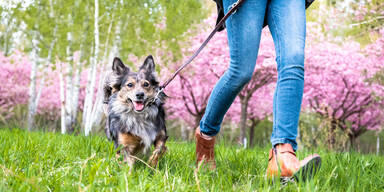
118 66
149 64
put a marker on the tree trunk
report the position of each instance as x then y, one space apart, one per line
69 86
6 43
255 122
183 132
117 43
352 140
32 86
198 119
89 98
332 134
251 135
243 121
97 109
87 93
88 123
7 35
34 100
378 145
87 90
76 90
62 100
76 79
97 112
46 67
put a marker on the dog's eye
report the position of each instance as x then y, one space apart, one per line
146 84
130 84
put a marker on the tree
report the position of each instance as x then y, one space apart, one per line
366 16
90 87
337 88
9 25
138 33
65 33
13 68
189 94
37 20
360 20
190 91
259 107
15 78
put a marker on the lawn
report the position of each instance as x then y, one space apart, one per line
37 161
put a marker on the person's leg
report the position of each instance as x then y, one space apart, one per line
244 31
286 20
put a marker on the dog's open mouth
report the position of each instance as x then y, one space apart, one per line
138 105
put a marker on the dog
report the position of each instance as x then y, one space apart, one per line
135 113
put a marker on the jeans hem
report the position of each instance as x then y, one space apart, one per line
209 132
283 140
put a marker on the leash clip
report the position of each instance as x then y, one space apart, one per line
156 98
161 89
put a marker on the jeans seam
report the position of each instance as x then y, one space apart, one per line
218 93
277 49
227 80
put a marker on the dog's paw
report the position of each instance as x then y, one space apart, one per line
156 154
153 160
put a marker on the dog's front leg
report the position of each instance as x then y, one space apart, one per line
128 158
159 151
131 145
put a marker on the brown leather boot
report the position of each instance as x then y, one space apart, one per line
205 150
284 163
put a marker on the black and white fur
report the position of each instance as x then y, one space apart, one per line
136 117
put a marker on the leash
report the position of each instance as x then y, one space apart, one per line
233 9
160 92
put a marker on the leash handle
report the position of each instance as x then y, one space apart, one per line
234 6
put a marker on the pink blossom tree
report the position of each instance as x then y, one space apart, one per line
189 94
15 77
337 87
259 107
190 91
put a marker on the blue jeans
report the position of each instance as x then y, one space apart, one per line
286 21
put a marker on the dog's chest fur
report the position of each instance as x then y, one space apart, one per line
123 119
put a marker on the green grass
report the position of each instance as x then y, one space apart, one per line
52 162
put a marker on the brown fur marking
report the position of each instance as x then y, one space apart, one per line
130 142
160 148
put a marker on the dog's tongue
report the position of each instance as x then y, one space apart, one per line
138 105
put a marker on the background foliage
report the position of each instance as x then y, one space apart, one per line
343 101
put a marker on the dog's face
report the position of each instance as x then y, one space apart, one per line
137 89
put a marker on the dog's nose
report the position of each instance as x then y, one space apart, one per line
140 95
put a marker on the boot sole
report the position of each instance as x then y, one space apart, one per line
306 172
309 170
